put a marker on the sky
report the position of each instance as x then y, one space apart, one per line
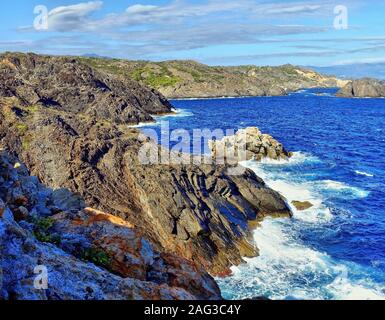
215 32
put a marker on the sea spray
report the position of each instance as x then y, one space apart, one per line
288 268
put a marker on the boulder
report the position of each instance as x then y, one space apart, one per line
248 144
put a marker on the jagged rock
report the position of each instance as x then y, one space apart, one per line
68 278
131 268
63 199
363 88
248 144
302 205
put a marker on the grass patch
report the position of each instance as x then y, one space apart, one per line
22 128
32 109
155 78
42 230
26 142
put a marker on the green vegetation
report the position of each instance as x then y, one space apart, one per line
42 230
22 128
155 78
26 142
32 109
162 75
97 257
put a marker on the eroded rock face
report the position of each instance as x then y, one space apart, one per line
363 88
89 254
197 212
249 144
66 84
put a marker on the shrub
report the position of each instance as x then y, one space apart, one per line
42 228
96 256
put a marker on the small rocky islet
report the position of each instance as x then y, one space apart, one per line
363 88
75 198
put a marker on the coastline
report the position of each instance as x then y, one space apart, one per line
252 225
288 93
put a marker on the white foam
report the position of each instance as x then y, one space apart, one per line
178 113
341 189
362 173
292 191
143 124
286 268
296 158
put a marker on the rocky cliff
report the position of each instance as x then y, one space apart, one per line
363 88
88 254
189 79
65 84
190 212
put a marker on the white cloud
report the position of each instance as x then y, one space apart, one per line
73 17
143 30
294 9
359 61
141 9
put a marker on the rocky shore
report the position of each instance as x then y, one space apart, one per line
67 125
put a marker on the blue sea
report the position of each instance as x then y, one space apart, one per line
336 249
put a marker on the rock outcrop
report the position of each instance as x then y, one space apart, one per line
249 144
198 212
88 254
66 84
363 88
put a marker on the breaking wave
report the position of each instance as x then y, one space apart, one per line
288 267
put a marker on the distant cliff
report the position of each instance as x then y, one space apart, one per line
190 79
363 88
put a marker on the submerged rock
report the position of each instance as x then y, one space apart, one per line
302 205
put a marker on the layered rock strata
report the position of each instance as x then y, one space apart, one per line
198 212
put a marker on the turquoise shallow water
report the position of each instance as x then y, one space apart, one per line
335 250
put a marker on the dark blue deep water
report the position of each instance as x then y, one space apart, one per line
335 250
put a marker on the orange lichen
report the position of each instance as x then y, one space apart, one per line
98 216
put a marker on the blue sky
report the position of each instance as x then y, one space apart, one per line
216 32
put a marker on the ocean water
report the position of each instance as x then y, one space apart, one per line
336 249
